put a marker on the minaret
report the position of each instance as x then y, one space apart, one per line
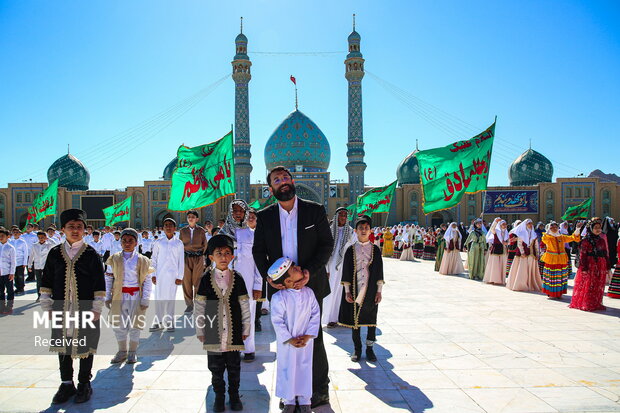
354 73
241 75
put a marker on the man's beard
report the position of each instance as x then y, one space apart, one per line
285 196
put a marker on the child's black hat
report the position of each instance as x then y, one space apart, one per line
363 219
219 241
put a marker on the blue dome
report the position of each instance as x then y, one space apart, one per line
408 171
170 168
70 172
354 37
241 38
530 169
298 142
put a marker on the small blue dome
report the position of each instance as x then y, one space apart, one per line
298 141
354 37
241 38
170 168
408 171
70 172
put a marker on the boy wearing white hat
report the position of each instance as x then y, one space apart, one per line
296 320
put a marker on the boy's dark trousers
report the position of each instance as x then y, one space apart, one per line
66 368
371 336
30 276
38 275
218 363
7 285
19 279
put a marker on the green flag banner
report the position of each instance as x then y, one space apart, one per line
257 206
44 204
581 211
376 200
203 175
460 168
351 209
119 212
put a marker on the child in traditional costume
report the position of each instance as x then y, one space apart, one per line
524 273
429 246
512 246
362 277
73 281
128 289
7 272
441 245
296 319
388 243
451 263
223 340
591 276
497 237
614 285
418 242
476 244
556 263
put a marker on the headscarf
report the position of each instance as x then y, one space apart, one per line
514 226
230 225
347 232
548 229
451 233
480 231
527 235
564 228
502 234
590 236
538 230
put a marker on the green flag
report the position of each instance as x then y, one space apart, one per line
581 211
44 204
257 206
376 200
203 175
118 212
460 168
351 209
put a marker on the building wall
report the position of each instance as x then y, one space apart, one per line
150 201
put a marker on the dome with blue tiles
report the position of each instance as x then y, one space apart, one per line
299 145
408 171
70 172
169 169
530 169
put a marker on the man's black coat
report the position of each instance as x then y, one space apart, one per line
314 243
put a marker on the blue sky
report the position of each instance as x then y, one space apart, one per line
84 73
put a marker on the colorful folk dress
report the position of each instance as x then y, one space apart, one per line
592 273
441 246
556 265
476 244
429 247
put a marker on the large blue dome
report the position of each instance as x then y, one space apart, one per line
408 171
169 169
530 169
298 144
70 172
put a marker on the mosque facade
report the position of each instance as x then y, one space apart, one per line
299 144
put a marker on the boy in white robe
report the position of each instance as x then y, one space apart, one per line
296 320
146 244
168 261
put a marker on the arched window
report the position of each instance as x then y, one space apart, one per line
606 202
155 195
586 192
577 192
27 197
569 192
163 195
413 206
549 205
18 197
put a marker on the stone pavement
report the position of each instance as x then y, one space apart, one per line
446 344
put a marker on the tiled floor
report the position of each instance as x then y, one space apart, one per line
446 344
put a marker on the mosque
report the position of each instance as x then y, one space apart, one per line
299 144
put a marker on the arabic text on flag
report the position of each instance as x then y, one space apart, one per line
376 200
119 212
203 175
450 172
43 205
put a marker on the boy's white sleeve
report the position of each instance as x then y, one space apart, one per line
13 259
147 287
315 316
181 260
109 286
278 314
245 316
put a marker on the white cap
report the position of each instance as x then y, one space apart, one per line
279 268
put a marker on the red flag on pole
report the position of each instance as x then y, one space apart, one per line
293 80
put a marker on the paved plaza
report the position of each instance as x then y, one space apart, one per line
446 344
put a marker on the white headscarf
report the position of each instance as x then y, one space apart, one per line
514 226
527 235
502 234
451 233
564 228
